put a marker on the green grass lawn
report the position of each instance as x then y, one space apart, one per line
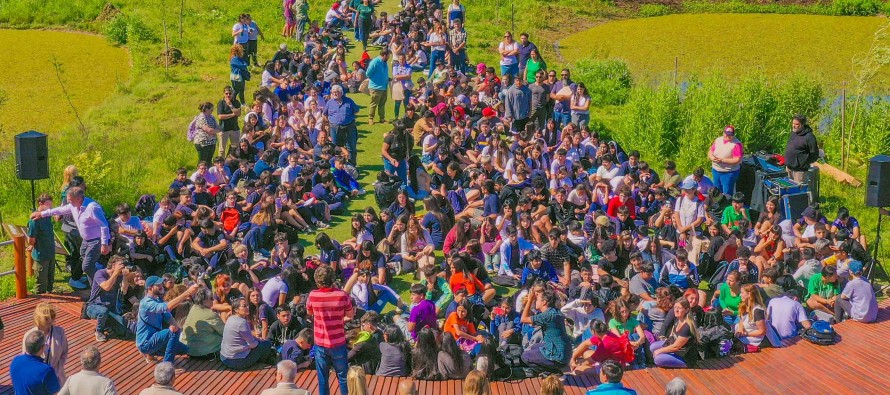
91 68
736 44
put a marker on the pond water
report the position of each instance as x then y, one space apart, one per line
90 69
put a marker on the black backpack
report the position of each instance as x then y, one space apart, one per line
719 275
510 366
788 283
146 206
386 189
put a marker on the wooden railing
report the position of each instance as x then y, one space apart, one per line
22 267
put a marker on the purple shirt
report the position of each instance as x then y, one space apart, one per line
89 217
784 315
273 288
423 315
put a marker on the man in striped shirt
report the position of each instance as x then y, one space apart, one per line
329 307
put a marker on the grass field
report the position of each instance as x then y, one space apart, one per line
736 44
90 69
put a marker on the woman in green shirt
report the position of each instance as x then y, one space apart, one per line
203 328
364 21
622 322
728 297
534 63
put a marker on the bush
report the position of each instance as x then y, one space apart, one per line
608 81
650 10
116 30
122 30
856 7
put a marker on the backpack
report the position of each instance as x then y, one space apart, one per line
385 190
193 129
145 206
713 334
719 275
706 265
821 333
788 283
512 367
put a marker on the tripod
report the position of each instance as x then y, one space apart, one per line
871 274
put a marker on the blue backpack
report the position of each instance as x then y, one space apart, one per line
821 333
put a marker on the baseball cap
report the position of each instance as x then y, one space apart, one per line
688 184
809 212
488 112
729 130
855 267
153 280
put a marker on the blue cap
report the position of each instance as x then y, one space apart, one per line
152 281
855 267
688 184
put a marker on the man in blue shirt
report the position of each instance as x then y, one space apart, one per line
537 268
378 81
153 335
610 377
340 112
29 373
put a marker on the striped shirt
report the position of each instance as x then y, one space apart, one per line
329 306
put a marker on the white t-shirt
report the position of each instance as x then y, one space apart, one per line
512 59
437 38
243 36
689 210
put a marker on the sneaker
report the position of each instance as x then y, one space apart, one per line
100 337
398 266
322 225
84 279
76 284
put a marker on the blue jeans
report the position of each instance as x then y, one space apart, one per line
401 170
434 57
90 251
164 342
580 119
101 314
416 195
562 119
512 69
666 360
256 354
346 136
725 181
325 359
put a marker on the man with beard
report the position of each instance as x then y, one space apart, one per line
801 150
156 331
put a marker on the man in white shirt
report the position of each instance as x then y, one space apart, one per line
285 376
89 380
689 214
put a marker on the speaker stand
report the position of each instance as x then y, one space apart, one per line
871 275
33 197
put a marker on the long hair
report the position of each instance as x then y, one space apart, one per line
747 306
449 345
411 236
476 384
67 175
689 320
361 224
264 215
425 355
355 381
431 204
395 336
221 279
664 299
461 237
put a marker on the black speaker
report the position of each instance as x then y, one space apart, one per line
31 156
877 188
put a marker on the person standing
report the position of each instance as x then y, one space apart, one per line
285 375
301 17
562 111
378 82
228 109
42 245
525 49
726 155
253 35
91 223
340 112
165 377
437 43
517 103
240 32
205 131
540 97
330 307
72 237
457 43
29 373
56 351
802 150
509 51
89 380
238 73
154 314
401 75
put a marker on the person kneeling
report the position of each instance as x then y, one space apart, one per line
240 348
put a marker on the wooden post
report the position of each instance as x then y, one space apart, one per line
843 126
29 263
676 71
21 279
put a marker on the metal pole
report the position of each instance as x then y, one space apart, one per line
512 14
21 276
33 197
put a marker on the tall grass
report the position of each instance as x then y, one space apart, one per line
608 81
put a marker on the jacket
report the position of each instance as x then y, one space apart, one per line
801 150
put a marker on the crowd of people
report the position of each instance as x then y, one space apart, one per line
491 177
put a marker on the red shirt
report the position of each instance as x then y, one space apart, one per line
329 306
615 202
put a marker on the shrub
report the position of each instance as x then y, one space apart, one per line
138 31
116 30
856 7
650 10
608 81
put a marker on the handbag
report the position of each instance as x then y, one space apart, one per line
363 87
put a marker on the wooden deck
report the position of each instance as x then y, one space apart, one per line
857 364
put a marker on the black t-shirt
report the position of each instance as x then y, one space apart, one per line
224 109
562 213
398 145
208 241
202 198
